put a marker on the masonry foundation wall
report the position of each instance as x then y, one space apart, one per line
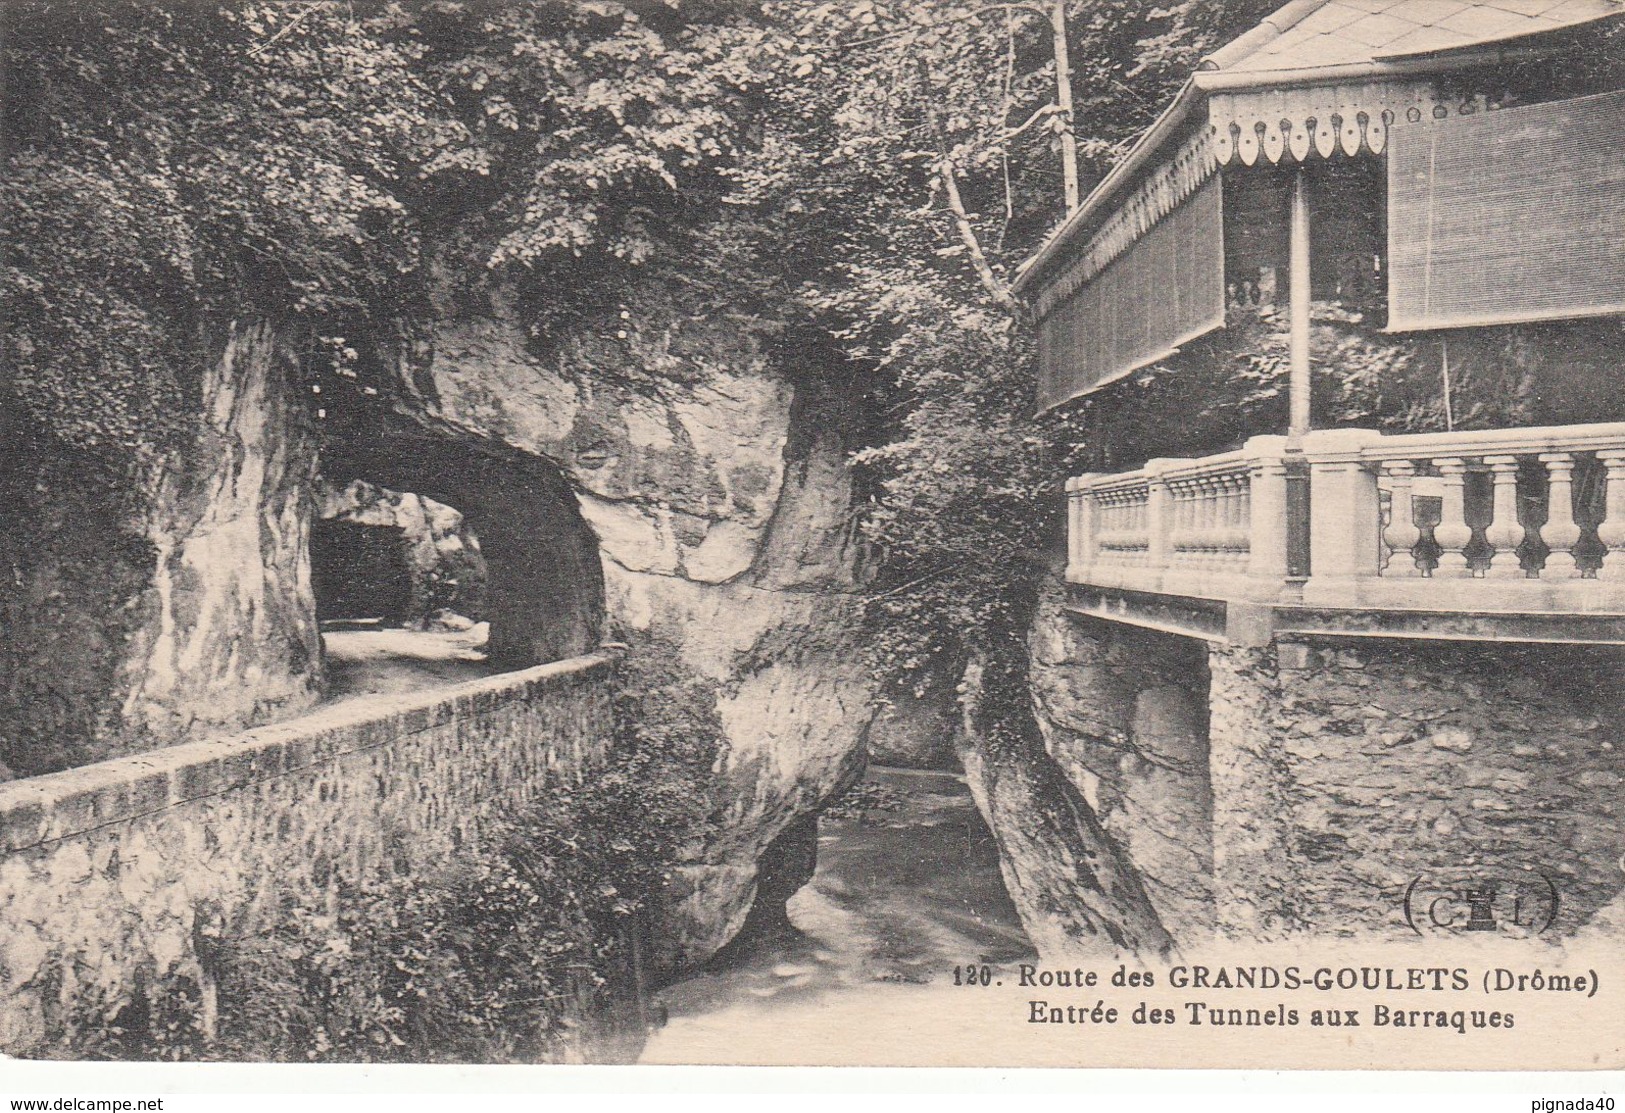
1301 788
1343 772
111 873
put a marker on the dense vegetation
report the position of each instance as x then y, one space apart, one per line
871 173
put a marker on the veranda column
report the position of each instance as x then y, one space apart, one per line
1298 305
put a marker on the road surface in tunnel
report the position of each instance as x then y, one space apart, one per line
382 660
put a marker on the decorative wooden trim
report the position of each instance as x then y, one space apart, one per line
1164 190
1247 127
1274 125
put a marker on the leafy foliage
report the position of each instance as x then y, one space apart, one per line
870 171
176 168
916 149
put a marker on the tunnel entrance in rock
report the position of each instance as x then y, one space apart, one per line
394 558
499 560
360 574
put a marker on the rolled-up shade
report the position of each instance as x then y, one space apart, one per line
1506 216
1165 290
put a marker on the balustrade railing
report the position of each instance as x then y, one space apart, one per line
1502 520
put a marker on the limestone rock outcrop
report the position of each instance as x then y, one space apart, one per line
717 489
1079 894
685 484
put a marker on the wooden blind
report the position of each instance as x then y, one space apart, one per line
1165 290
1505 216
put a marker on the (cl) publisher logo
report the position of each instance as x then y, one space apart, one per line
1515 903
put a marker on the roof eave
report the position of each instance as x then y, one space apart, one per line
1480 54
1211 76
1150 142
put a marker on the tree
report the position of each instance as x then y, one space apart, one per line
915 149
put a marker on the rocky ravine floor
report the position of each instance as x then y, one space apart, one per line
907 888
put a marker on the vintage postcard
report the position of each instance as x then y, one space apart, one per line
1074 533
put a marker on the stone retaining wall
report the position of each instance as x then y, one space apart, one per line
1343 773
106 870
1301 788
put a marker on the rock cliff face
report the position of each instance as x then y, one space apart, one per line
1079 894
682 486
1123 712
716 487
141 622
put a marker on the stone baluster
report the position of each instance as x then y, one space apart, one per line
1190 532
1215 534
1190 537
1236 520
1073 516
1112 511
1611 532
1561 533
1453 534
1131 523
1402 534
1178 522
1244 521
1198 514
1503 533
1103 515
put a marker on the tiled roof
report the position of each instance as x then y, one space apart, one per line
1344 32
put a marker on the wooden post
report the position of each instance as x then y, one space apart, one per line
1298 305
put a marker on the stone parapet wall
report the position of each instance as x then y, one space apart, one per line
110 873
1344 772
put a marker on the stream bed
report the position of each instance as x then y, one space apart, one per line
907 888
